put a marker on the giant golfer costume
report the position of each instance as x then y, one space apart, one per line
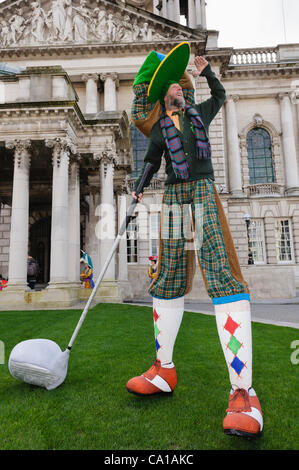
190 197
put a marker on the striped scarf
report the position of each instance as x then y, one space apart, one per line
174 144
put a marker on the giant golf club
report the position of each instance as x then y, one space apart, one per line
41 361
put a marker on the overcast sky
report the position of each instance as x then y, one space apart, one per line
251 23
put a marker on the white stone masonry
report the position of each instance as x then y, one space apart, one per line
91 80
233 147
74 223
289 145
59 269
110 85
18 250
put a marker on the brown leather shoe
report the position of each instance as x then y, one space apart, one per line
244 415
157 379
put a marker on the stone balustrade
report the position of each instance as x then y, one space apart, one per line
265 189
251 56
154 185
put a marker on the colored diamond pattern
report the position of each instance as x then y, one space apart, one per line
237 365
231 325
156 330
234 345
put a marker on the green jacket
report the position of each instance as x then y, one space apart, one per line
156 146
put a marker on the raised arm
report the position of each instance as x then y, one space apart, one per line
211 106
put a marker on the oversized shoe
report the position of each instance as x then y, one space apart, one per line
244 415
157 379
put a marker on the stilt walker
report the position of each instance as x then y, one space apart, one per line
164 110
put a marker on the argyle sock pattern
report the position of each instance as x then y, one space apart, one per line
168 316
234 328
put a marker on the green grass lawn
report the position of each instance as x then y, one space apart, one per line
93 410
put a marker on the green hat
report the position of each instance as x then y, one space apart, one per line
170 70
159 69
148 68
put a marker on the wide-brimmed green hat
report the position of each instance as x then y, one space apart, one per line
170 69
158 69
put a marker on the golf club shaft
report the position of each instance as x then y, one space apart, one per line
122 230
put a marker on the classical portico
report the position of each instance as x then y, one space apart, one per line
51 153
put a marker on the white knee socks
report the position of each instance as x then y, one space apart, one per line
168 315
234 328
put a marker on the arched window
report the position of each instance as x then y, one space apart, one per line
260 160
139 143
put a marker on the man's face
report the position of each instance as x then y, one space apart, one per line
174 97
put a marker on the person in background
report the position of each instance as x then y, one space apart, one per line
86 275
3 283
32 272
152 267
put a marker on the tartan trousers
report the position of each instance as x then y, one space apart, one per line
196 203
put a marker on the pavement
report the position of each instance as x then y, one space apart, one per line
280 312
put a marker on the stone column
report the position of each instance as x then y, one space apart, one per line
198 13
106 225
191 14
110 85
170 10
176 11
164 8
233 147
91 80
74 223
203 14
18 251
295 101
93 245
289 145
59 268
155 9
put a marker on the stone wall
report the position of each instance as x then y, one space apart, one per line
265 282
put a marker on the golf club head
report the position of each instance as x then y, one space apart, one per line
39 362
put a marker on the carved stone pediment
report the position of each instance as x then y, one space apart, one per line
50 22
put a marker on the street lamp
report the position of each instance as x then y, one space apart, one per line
247 219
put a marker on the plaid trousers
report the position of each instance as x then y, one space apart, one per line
212 243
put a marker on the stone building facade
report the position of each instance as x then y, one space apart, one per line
69 153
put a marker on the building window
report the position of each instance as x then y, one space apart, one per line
132 236
257 241
284 241
139 144
260 161
154 234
